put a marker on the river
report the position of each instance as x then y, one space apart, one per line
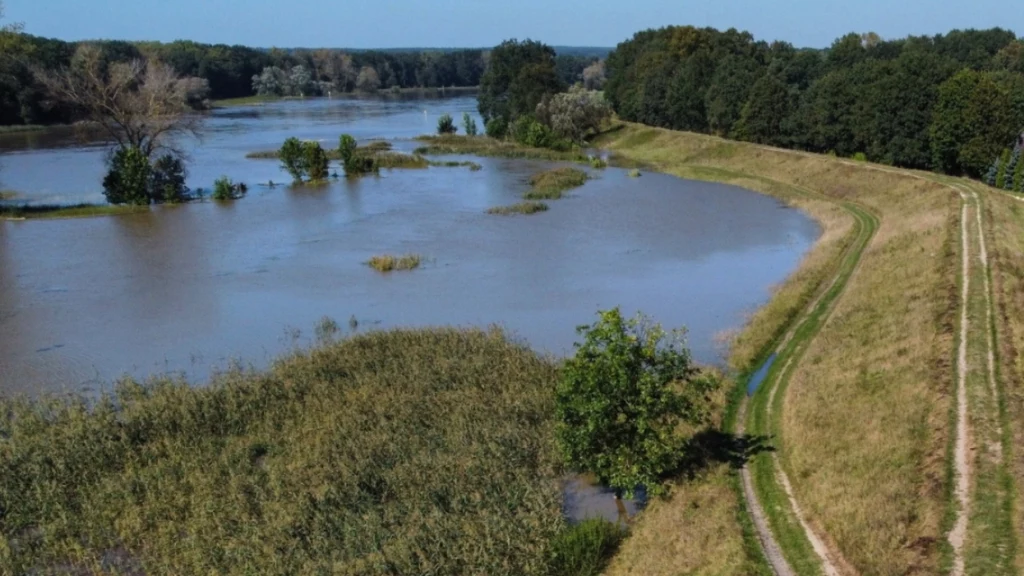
197 288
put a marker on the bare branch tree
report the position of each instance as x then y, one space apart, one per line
137 104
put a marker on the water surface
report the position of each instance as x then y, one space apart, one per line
192 288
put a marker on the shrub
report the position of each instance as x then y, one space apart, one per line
317 164
167 180
468 124
622 398
860 157
585 548
128 180
224 189
1004 162
346 147
634 173
575 114
496 127
598 163
446 125
293 158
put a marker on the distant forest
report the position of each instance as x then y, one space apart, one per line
239 71
950 103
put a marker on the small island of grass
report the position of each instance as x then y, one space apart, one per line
552 184
492 147
390 263
520 208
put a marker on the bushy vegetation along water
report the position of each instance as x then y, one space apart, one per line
403 452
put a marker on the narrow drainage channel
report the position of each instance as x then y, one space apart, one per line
760 375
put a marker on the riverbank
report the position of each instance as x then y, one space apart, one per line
56 211
864 444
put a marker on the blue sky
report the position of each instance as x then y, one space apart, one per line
452 23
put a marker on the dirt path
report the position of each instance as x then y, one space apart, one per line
961 465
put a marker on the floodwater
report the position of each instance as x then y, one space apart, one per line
191 289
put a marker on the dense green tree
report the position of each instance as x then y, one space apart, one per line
575 114
167 180
765 112
293 159
128 179
622 399
315 161
518 77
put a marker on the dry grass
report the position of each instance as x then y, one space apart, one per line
526 208
864 427
390 263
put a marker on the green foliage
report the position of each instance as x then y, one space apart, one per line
528 131
293 159
390 263
1018 173
634 173
316 162
496 127
860 157
1004 163
128 179
765 112
525 208
446 125
346 148
224 189
167 180
303 469
468 124
517 78
575 114
584 549
598 163
622 398
551 184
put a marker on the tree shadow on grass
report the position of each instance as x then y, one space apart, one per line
711 447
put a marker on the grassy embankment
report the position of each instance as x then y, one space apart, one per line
403 452
862 417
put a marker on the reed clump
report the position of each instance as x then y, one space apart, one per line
390 263
520 208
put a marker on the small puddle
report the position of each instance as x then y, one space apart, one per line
759 376
585 500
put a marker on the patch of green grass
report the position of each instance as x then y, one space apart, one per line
389 263
379 151
42 211
585 548
552 184
520 208
398 160
486 146
375 146
401 452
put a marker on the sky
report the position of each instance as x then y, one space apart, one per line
482 23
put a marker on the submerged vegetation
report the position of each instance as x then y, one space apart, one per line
552 184
487 146
42 211
389 263
520 208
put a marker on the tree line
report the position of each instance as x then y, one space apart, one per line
949 103
239 71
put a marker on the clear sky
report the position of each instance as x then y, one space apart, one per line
479 23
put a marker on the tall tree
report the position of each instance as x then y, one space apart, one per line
517 78
765 112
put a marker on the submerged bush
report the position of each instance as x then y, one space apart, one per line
446 125
128 180
520 208
167 180
401 452
225 189
317 164
293 158
389 263
552 184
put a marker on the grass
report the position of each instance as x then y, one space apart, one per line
390 263
584 549
45 211
19 128
380 151
402 452
473 166
861 421
486 146
520 208
246 101
552 184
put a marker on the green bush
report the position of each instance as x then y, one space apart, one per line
496 127
317 164
167 180
128 180
1004 162
346 148
293 158
860 157
622 398
446 125
225 189
598 163
468 124
585 548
